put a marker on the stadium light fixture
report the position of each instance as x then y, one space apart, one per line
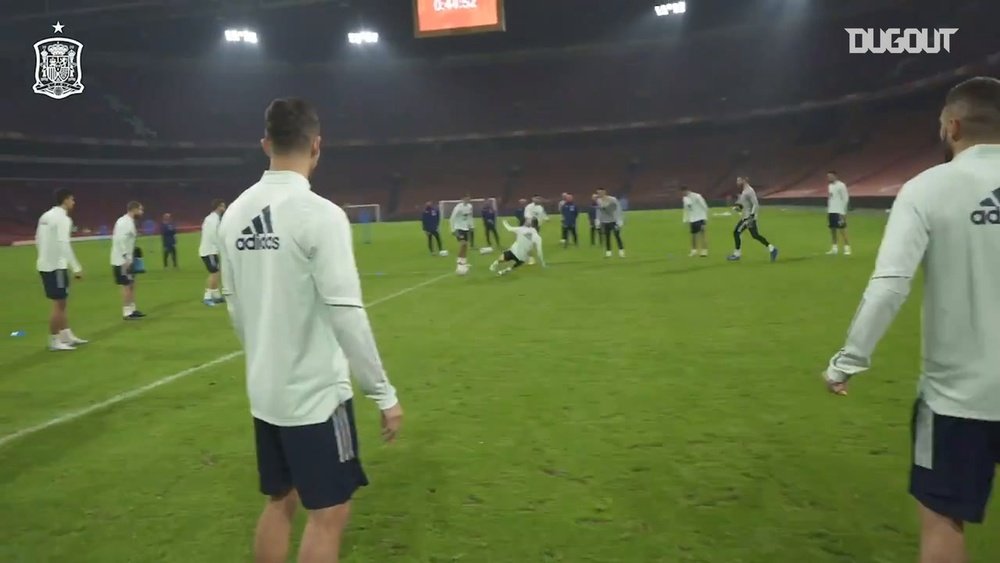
363 37
241 36
671 8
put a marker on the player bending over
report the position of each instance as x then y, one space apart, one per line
696 215
461 226
747 204
527 240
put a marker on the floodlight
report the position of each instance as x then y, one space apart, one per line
671 8
363 37
241 36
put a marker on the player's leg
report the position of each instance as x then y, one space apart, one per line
472 238
565 233
437 237
771 249
741 226
166 256
843 235
173 256
324 531
272 538
942 539
703 235
606 235
694 240
833 222
496 235
618 239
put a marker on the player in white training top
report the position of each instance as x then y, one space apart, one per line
527 240
208 249
55 258
749 207
837 213
462 217
123 238
696 216
947 219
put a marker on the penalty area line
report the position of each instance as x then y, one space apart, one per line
139 391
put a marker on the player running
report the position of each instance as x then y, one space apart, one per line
837 213
696 215
747 204
527 240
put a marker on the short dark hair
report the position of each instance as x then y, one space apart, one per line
62 194
133 205
685 189
216 203
979 101
290 125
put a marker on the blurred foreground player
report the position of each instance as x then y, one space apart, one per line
461 226
55 258
610 219
168 235
948 219
294 297
748 206
696 216
527 239
837 213
123 237
208 249
569 214
431 220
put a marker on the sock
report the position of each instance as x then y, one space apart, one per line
737 253
834 248
55 339
847 248
704 253
126 311
208 294
216 294
66 335
770 248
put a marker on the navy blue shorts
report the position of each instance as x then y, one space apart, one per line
836 220
697 227
211 263
953 463
56 284
122 275
462 236
320 461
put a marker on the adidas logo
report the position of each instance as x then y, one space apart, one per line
260 234
991 214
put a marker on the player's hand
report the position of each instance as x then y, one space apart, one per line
833 386
78 275
392 419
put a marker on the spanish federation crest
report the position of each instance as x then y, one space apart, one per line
58 73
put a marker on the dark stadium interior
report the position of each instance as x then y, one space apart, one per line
606 98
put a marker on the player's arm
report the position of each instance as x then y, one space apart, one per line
903 246
619 215
507 226
452 217
538 250
686 218
64 233
233 304
335 275
704 205
753 203
119 244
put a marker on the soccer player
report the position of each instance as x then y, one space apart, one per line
122 255
696 216
569 215
747 205
55 258
294 296
527 240
461 224
948 219
595 229
534 213
519 212
432 221
610 218
837 213
209 252
168 233
490 222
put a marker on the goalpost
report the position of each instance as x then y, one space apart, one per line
446 206
364 215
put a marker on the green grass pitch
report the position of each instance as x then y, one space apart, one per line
656 408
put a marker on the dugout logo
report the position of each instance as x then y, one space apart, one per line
260 234
58 69
897 41
989 214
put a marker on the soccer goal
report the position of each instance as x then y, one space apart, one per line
446 206
364 215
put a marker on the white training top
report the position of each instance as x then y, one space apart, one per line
695 208
461 217
294 296
535 211
948 219
123 240
209 235
527 240
52 237
839 198
748 200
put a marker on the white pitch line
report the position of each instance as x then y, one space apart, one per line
139 391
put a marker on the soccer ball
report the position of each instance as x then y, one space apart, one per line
443 253
462 269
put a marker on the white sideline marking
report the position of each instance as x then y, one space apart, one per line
139 391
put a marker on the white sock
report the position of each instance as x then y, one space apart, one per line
66 335
55 339
216 294
847 248
126 311
208 294
770 248
737 252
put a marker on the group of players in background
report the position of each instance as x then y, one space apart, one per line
606 219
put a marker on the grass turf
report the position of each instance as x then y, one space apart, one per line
657 408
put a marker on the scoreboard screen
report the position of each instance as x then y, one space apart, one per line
453 17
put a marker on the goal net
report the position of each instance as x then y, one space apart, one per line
364 216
